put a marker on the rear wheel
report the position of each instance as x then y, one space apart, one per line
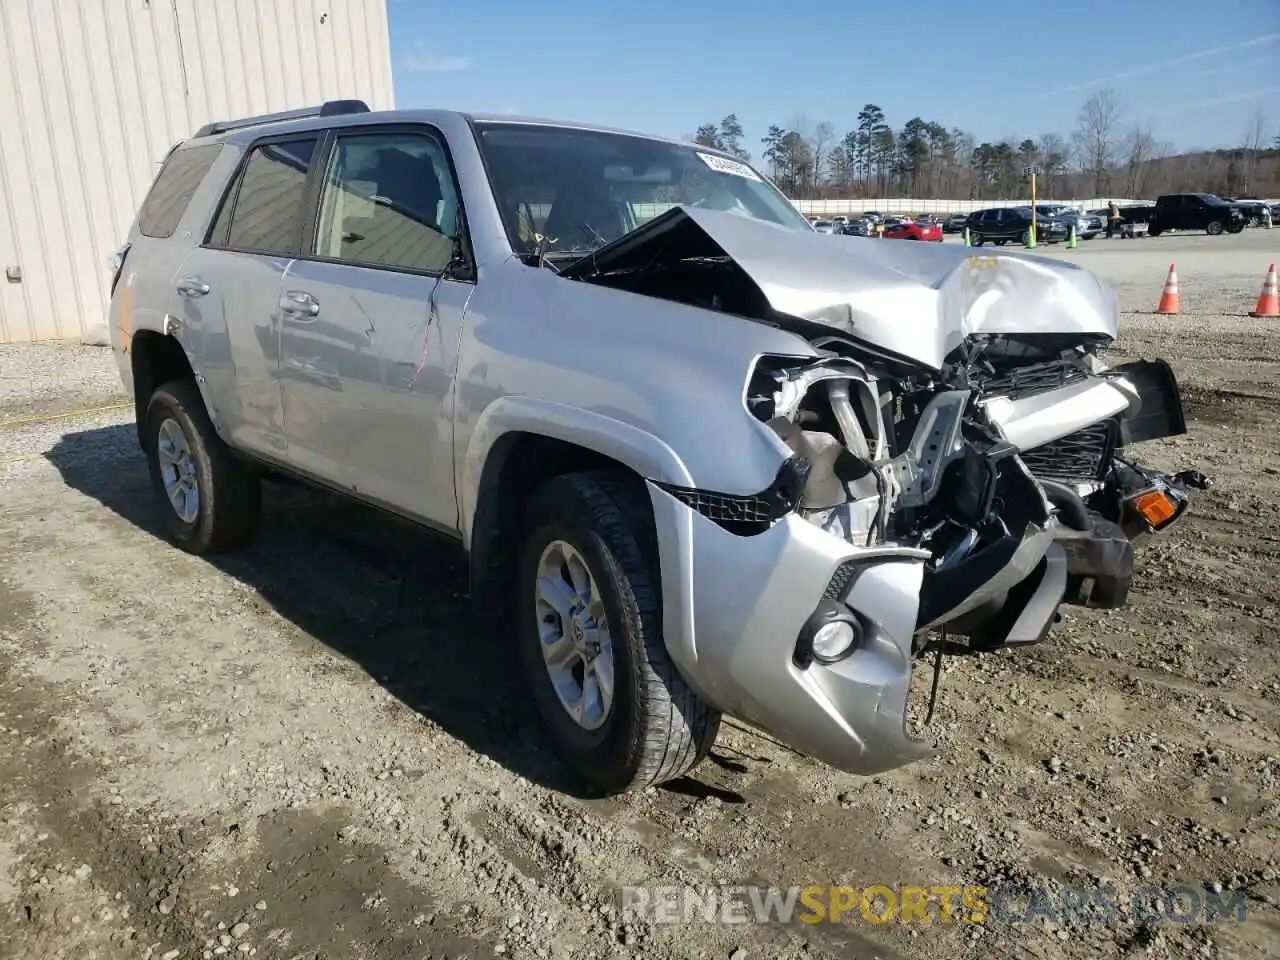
590 633
209 501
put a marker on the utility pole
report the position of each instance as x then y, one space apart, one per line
1032 171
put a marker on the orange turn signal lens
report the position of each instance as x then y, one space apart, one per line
1156 507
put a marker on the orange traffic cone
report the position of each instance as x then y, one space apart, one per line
1169 299
1269 299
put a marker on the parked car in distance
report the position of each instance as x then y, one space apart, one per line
1087 225
1001 225
1187 211
480 325
1254 210
825 226
858 227
912 230
955 223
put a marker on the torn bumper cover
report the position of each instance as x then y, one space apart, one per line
736 608
740 611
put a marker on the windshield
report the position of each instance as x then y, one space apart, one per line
572 191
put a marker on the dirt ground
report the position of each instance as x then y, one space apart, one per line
311 751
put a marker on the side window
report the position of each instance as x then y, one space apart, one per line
173 188
389 200
264 211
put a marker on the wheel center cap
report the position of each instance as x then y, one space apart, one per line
576 633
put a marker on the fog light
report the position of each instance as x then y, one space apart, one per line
833 641
832 633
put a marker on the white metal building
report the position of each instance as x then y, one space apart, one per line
94 92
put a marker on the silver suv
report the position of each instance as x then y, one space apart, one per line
702 459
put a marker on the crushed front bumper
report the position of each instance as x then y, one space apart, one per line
736 609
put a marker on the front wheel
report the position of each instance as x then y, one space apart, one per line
210 502
589 623
1213 228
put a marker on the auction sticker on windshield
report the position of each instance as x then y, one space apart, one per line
725 165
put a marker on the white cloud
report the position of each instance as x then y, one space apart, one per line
1150 67
1229 98
423 61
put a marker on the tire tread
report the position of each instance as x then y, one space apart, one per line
231 508
677 729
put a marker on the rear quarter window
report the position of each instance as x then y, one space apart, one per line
173 188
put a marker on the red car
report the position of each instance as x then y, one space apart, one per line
910 230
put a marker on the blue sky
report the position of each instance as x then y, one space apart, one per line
1194 71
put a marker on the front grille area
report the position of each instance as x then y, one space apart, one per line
1079 457
1031 379
724 508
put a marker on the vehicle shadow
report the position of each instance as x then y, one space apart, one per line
381 592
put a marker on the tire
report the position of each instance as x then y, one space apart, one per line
1025 238
655 729
1213 228
976 240
228 496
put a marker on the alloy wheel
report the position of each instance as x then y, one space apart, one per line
573 631
178 471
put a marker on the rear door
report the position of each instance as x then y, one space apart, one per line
142 289
372 314
229 289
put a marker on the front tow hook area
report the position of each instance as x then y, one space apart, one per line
1099 565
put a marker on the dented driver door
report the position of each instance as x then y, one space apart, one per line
370 324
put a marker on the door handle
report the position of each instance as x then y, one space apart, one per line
192 287
300 306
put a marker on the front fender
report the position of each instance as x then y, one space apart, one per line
643 452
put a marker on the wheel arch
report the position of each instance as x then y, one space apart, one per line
519 444
154 358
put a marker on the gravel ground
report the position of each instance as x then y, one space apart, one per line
309 750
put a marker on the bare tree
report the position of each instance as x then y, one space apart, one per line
1255 136
1139 150
1095 138
823 136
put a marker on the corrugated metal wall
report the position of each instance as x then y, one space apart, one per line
94 92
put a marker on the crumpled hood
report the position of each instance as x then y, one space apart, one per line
915 300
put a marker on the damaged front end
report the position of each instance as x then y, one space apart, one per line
986 473
953 420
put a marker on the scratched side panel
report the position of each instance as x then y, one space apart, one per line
366 384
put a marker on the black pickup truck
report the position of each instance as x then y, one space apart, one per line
1187 211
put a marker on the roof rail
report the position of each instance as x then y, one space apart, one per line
332 108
